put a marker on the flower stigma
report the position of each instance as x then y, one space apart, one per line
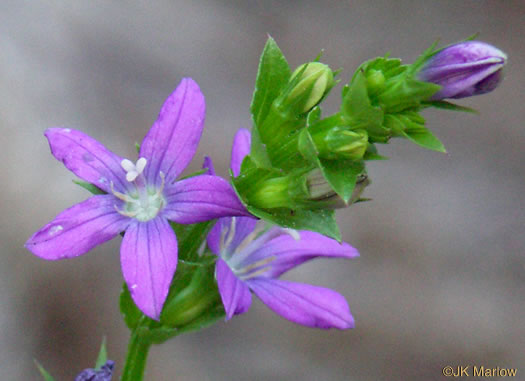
145 203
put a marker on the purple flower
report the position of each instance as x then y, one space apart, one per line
103 374
141 198
464 69
252 258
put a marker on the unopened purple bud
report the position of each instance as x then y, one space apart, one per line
102 374
464 69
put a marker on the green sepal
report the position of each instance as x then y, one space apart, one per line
357 109
137 147
102 357
196 173
411 125
341 175
45 374
313 116
129 311
372 153
406 93
89 187
444 105
272 76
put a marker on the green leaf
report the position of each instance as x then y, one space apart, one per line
190 238
45 374
90 187
102 357
342 175
258 153
321 221
272 77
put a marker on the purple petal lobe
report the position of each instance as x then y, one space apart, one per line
201 198
241 147
304 304
148 257
172 140
78 229
288 252
87 158
235 295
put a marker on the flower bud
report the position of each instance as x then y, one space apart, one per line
192 302
315 80
340 143
464 69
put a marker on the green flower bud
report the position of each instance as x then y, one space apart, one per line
312 82
340 143
272 193
375 81
193 301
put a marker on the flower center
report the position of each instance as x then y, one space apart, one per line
144 202
240 258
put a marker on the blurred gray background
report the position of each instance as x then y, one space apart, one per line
441 277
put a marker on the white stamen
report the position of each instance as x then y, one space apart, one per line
141 164
127 165
131 176
133 170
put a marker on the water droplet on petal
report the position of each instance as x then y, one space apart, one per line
134 286
55 229
68 130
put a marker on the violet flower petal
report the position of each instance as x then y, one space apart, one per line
201 198
288 252
87 158
103 374
235 295
148 256
78 229
172 141
464 69
304 304
241 147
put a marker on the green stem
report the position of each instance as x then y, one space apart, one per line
136 358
